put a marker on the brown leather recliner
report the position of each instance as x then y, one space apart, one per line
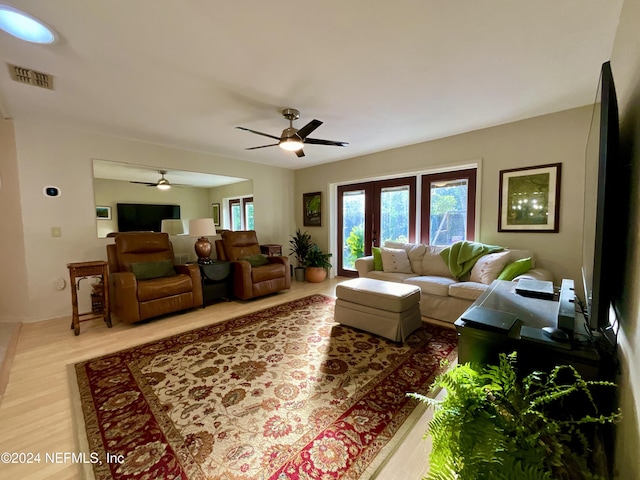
133 300
248 281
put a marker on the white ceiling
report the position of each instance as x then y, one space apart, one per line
380 75
137 173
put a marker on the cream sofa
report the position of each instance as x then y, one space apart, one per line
443 297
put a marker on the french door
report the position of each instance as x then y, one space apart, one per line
372 213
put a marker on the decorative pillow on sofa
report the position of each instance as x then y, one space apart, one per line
377 259
149 270
255 260
488 267
395 260
516 268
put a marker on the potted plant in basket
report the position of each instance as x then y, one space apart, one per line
493 425
300 245
317 264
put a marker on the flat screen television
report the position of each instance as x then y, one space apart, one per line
602 226
143 217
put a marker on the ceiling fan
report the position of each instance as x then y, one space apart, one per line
161 184
293 139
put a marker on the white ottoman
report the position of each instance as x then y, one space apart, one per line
388 309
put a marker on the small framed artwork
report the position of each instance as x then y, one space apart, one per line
312 209
215 213
530 199
103 213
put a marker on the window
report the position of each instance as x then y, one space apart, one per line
448 207
241 213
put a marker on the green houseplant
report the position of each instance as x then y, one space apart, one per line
317 264
300 244
492 425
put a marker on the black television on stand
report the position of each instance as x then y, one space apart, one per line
144 217
603 227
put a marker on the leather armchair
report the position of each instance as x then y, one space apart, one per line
248 281
133 300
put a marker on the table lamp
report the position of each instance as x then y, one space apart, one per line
172 226
203 228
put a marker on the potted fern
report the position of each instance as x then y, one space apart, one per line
300 244
492 425
317 264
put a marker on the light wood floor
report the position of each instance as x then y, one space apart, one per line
35 413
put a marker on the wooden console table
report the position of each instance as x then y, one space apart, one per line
271 249
100 308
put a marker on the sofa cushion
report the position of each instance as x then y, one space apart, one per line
433 285
516 268
433 264
488 267
256 260
395 260
148 270
520 254
270 271
164 287
389 276
467 290
377 259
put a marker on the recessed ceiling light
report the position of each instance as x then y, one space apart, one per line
24 26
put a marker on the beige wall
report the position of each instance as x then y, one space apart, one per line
233 190
625 64
194 202
13 281
52 155
556 138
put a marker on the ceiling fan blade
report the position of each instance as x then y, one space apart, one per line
318 141
148 184
262 146
300 153
258 133
308 128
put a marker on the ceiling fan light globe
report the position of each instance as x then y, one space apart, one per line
291 144
163 185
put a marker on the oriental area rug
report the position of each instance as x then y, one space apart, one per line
284 393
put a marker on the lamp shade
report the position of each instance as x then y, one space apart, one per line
202 227
172 226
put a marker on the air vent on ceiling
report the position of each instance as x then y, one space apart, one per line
31 77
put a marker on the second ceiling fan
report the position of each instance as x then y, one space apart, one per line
293 139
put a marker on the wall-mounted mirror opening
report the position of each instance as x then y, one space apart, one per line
132 197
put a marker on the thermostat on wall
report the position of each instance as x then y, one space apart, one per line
51 191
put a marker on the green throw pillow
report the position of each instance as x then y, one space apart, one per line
148 270
516 268
377 259
256 260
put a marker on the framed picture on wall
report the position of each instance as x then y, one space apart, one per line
103 213
215 213
312 209
530 199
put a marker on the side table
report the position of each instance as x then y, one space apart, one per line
100 306
271 249
215 279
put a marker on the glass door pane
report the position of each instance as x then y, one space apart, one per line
353 224
235 213
394 214
248 213
448 212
